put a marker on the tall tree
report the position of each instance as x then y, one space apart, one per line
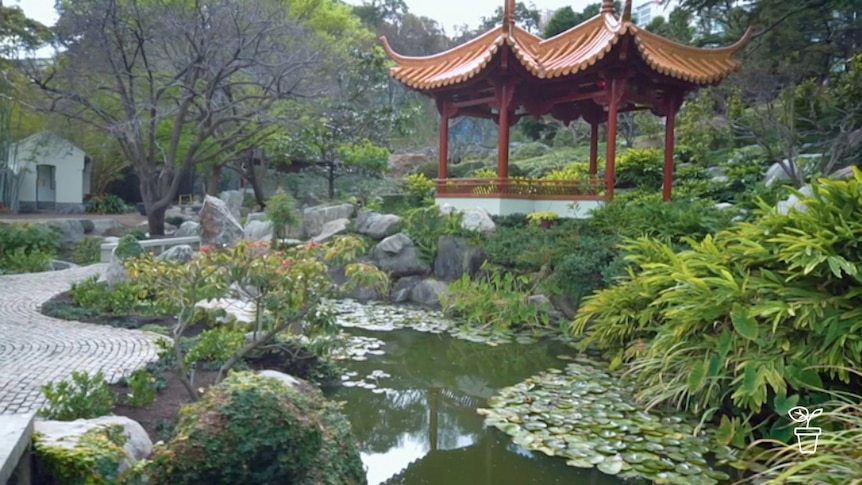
678 26
179 83
562 20
527 17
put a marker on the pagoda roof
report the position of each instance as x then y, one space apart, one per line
567 53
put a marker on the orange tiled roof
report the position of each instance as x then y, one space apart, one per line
567 53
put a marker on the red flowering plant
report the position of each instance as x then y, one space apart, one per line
286 287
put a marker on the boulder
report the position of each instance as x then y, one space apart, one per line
377 225
102 226
795 202
73 209
778 172
309 200
544 304
402 288
188 229
456 257
477 219
218 226
256 429
115 443
403 163
313 218
428 291
842 173
360 293
255 216
88 226
71 233
180 254
285 378
723 205
235 309
233 200
332 229
257 230
398 256
116 272
446 209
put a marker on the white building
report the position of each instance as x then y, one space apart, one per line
644 11
53 173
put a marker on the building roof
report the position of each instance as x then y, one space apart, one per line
566 53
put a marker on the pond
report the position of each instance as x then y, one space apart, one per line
413 411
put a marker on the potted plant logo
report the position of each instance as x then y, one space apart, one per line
804 434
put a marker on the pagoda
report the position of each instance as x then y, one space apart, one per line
602 67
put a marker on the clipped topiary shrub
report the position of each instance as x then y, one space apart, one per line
252 429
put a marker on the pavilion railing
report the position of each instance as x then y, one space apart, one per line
520 188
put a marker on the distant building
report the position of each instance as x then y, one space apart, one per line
646 11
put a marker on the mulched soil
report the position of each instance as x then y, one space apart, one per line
159 417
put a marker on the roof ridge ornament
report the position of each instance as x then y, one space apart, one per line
508 16
607 6
627 11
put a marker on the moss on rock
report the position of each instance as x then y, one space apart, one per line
94 460
251 429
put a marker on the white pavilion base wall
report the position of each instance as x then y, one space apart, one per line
579 209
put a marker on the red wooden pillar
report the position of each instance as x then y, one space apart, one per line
594 147
504 97
444 140
670 122
616 87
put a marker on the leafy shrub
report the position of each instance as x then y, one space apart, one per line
424 226
142 388
485 173
128 247
418 185
429 169
464 169
529 150
498 300
529 248
640 167
652 217
572 171
88 252
587 268
215 345
280 210
84 397
137 233
254 429
29 238
175 221
107 204
838 458
744 319
22 261
124 298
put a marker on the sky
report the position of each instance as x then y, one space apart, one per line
449 13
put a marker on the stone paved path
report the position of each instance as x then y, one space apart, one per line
35 349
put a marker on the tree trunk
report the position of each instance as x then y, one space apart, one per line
156 220
254 181
213 180
331 179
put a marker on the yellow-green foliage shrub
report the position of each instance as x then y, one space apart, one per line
748 317
94 460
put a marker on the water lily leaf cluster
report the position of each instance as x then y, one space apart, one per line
583 414
382 317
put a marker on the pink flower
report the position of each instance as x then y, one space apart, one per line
205 248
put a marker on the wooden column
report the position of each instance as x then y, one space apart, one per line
615 93
669 123
444 139
503 99
594 147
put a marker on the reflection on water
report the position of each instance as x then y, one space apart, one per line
423 427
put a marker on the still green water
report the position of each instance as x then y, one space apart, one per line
419 425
